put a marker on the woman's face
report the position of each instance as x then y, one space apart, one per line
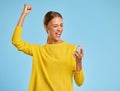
54 29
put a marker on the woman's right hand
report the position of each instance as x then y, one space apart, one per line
27 9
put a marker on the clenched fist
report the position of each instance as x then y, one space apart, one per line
27 9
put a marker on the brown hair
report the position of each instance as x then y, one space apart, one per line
50 15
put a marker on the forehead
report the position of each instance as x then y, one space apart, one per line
56 20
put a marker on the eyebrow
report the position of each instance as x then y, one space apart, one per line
58 24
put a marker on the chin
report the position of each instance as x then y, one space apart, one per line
57 39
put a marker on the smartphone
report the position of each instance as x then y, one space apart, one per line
78 48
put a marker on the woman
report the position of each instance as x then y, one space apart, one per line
55 63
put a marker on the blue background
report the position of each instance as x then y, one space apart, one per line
95 24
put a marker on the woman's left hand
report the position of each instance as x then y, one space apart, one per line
79 55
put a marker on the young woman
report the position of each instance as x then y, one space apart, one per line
55 63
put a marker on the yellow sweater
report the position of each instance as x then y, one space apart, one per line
53 65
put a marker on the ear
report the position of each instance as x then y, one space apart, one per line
45 26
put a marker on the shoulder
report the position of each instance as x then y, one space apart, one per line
36 46
70 45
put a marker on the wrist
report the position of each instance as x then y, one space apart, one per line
78 60
23 14
78 65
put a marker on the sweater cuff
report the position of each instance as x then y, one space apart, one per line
18 27
79 72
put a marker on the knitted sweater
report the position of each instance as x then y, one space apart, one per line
53 65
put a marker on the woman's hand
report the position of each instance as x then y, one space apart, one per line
79 55
27 9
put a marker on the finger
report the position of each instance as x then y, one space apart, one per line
78 52
81 51
29 7
77 55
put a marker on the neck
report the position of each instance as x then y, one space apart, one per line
54 41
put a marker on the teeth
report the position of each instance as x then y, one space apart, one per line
58 34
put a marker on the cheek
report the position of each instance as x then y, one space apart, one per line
51 32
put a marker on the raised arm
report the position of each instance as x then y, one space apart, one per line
27 9
17 35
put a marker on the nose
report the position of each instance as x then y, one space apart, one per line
60 29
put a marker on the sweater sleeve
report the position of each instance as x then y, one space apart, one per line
19 43
79 77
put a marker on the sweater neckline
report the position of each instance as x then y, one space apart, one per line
57 44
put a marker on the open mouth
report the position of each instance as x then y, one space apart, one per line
58 34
